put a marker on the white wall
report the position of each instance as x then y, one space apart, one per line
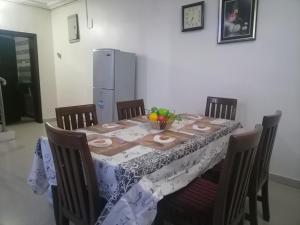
178 70
22 18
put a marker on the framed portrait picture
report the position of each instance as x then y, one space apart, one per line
237 20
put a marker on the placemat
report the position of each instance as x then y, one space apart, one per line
201 124
142 119
149 141
118 145
101 129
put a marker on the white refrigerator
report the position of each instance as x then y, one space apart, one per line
114 79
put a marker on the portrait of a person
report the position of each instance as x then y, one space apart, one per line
236 22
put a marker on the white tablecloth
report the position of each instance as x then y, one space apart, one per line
135 180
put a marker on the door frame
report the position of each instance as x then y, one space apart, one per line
34 64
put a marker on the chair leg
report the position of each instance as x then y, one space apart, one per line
55 203
62 219
253 208
265 201
158 220
241 222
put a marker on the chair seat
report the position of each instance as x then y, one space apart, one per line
194 201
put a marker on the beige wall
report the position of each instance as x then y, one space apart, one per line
178 70
22 18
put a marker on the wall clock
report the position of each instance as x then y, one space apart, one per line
193 16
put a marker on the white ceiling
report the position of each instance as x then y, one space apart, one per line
45 4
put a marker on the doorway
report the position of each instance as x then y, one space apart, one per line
19 66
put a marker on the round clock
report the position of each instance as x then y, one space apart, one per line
192 16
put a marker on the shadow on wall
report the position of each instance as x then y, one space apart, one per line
283 146
142 78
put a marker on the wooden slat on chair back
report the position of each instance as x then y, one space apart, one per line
224 108
270 125
235 177
129 109
75 173
74 117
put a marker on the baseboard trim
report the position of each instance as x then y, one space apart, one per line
285 180
52 121
49 120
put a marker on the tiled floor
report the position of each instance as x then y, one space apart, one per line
19 206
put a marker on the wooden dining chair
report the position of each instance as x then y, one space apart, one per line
129 109
77 197
260 175
74 117
203 202
224 108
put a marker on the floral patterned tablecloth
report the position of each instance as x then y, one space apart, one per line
135 172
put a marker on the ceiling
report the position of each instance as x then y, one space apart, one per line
45 4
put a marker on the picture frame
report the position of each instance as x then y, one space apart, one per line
237 20
192 16
73 28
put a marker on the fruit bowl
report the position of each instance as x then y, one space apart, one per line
161 118
161 125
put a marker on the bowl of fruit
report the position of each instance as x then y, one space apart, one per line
161 118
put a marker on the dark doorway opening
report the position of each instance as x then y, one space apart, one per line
19 66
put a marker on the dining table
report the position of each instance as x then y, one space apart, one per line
136 165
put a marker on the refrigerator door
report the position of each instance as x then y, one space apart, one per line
104 101
125 78
103 68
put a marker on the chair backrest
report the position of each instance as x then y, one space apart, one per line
129 109
224 108
77 185
74 117
235 177
265 148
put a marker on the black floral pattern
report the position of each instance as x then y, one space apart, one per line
123 179
130 172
